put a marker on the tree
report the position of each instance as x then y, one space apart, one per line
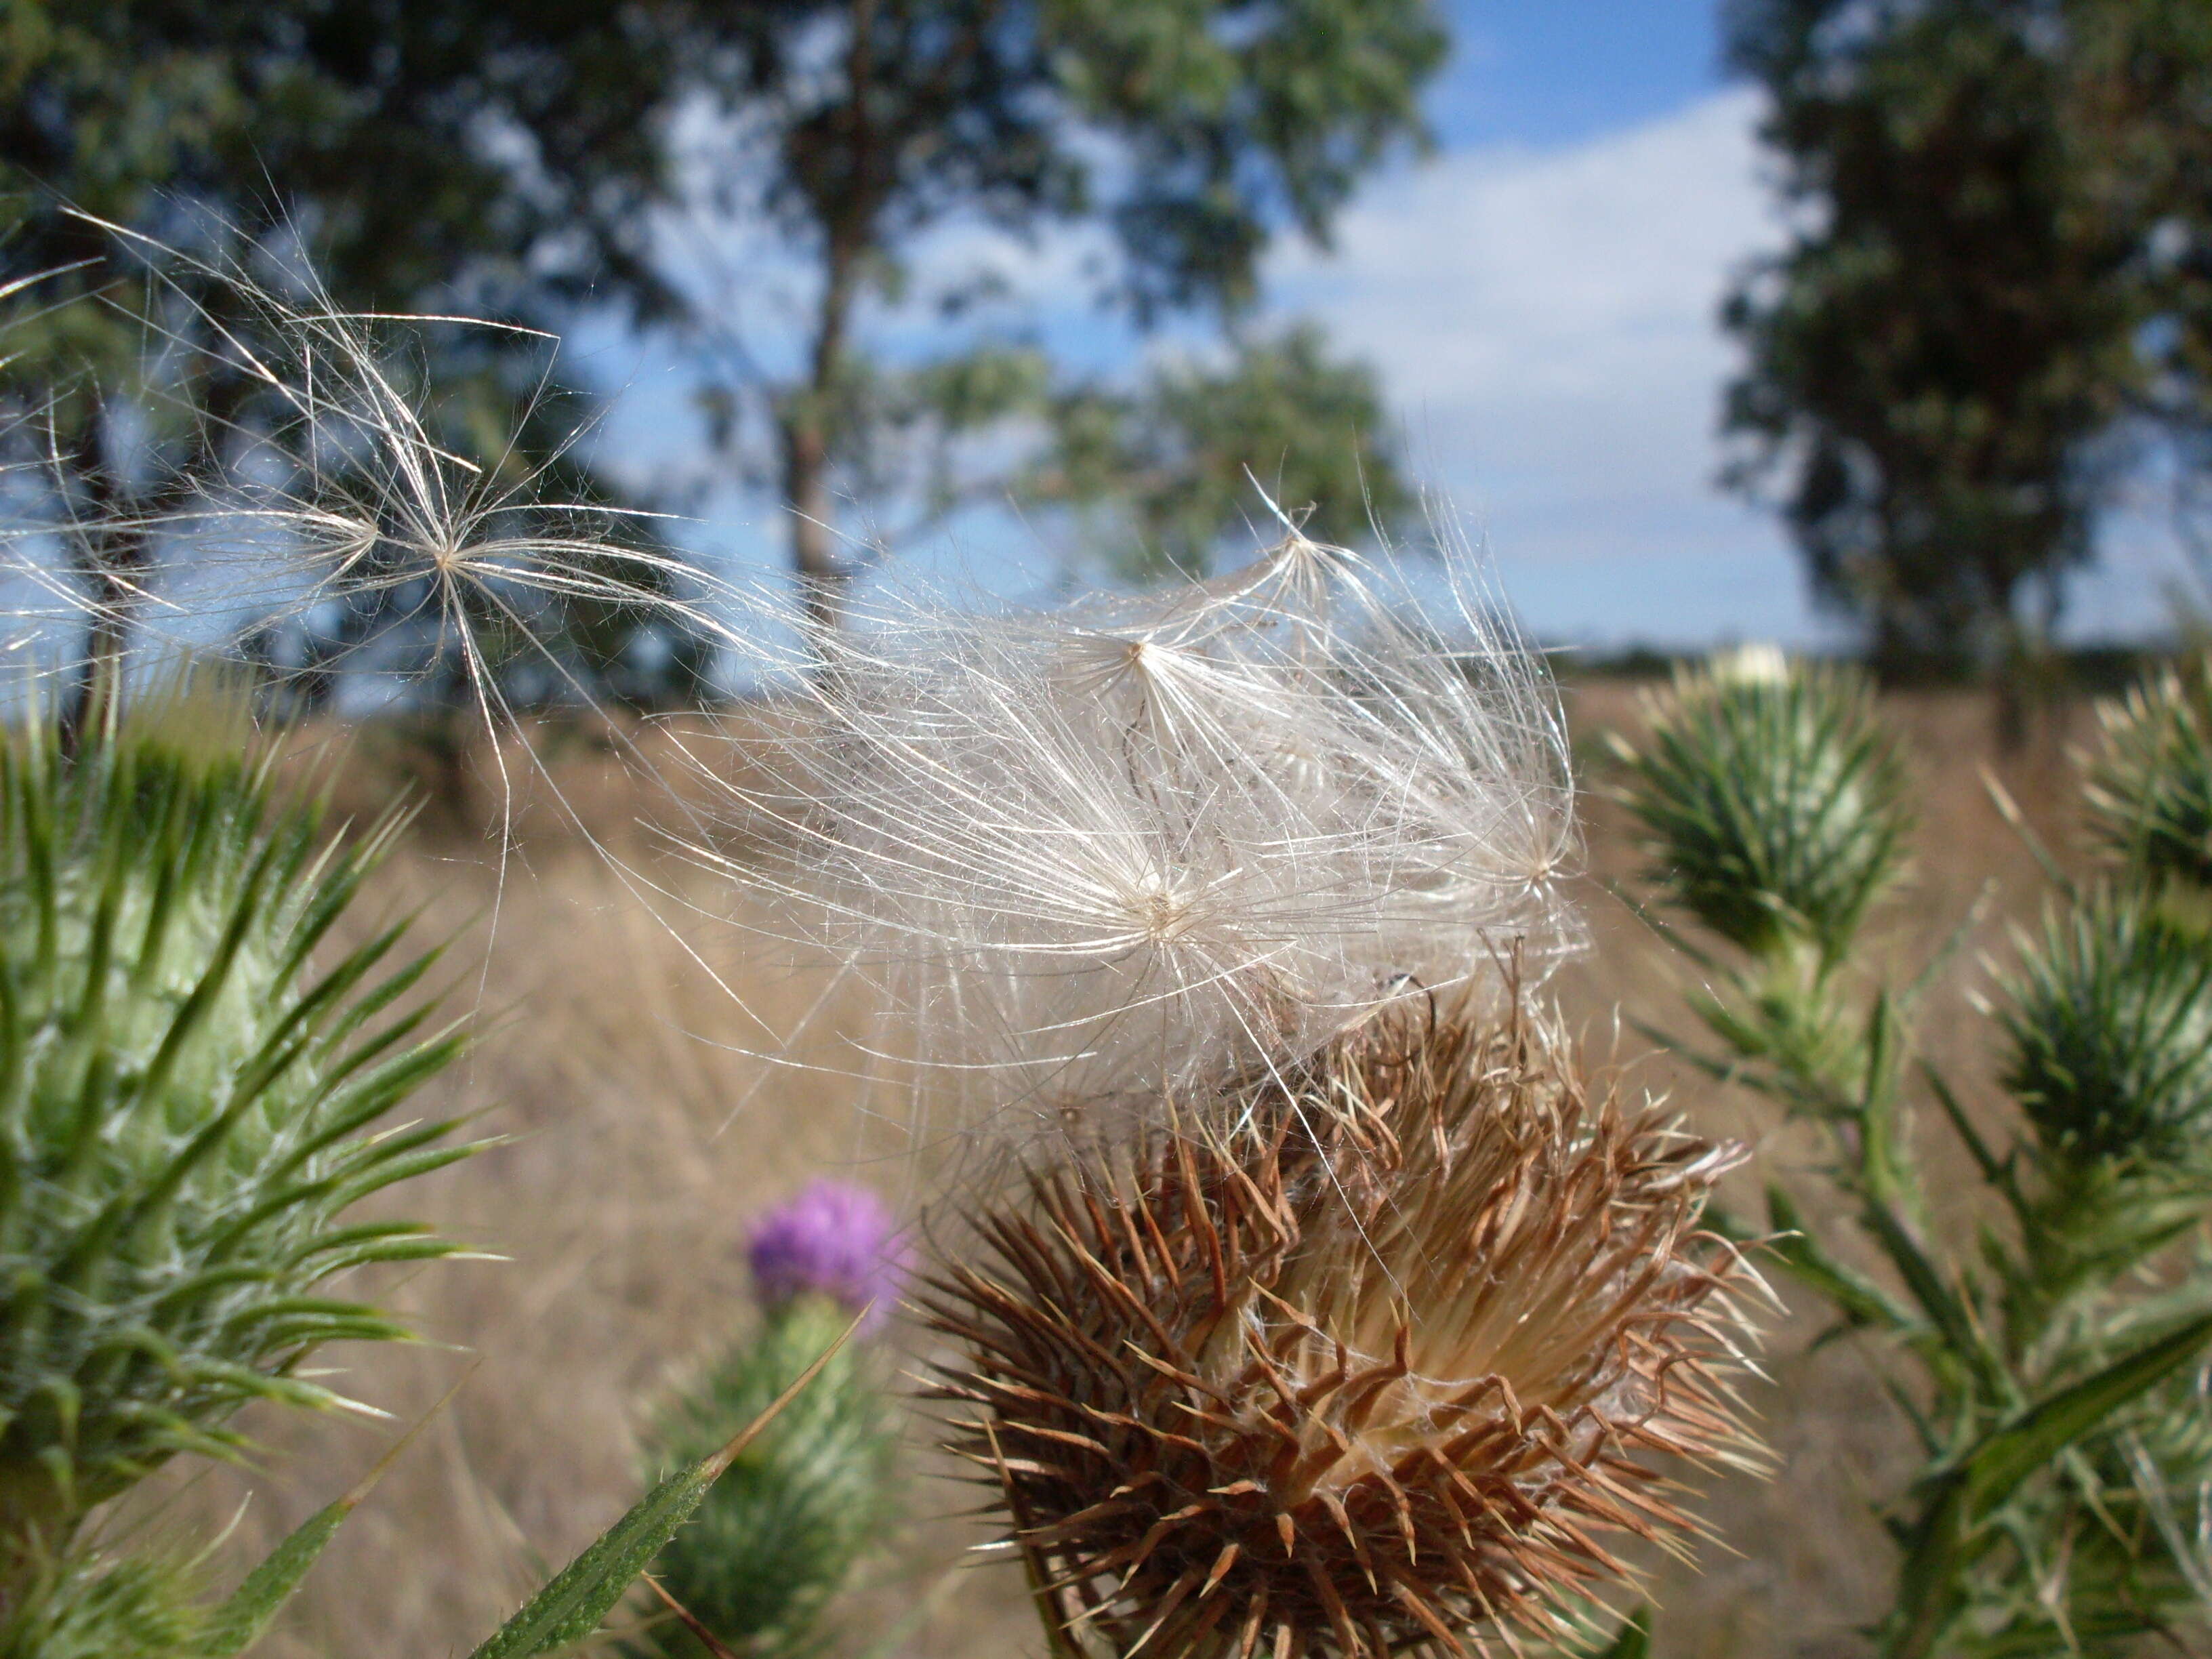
1174 463
2143 98
1191 131
515 160
1939 357
486 153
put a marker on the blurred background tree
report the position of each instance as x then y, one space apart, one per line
1159 476
483 155
522 163
1191 133
1995 284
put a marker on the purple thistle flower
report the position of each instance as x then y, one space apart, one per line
834 1239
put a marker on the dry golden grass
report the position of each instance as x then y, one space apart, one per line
626 1187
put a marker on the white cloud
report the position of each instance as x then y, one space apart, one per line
1545 322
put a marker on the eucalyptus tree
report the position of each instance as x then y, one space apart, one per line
484 155
1994 306
1190 135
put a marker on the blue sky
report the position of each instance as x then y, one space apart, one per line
1549 73
1539 296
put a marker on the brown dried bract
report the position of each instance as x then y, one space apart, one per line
1378 1369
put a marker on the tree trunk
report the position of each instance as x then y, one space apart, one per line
821 573
808 426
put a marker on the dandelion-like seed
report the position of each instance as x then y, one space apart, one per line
1379 1371
1142 845
447 539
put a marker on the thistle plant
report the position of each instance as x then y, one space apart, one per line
1379 1367
196 1085
192 1100
1242 889
780 1534
2107 1022
1775 812
2048 1373
2149 781
145 1605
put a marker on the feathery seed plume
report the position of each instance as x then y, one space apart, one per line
340 489
1144 844
1385 1387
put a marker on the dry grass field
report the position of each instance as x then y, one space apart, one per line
640 1138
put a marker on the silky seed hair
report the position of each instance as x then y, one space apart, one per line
1082 854
1140 846
1396 1364
337 488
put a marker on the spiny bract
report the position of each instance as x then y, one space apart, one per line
2108 1019
2150 781
760 1562
1774 807
1376 1372
188 1107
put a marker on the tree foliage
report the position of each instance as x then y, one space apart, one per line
1191 132
515 161
486 155
1169 470
1999 260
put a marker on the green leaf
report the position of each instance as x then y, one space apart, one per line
1860 1301
1943 1543
241 1619
1632 1641
1995 1468
570 1606
1993 1171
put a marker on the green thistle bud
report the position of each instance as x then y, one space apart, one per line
141 1607
1774 808
2109 1020
188 1107
2150 782
780 1533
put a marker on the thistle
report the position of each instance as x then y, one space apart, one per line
1380 1369
2049 1370
780 1533
190 1102
141 1606
2108 1019
1773 807
835 1240
2148 785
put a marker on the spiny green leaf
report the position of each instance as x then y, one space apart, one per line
1995 1470
1860 1300
1632 1641
571 1604
242 1618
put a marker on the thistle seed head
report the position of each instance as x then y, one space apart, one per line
1379 1370
1137 846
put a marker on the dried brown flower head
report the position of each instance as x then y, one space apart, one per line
1378 1369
